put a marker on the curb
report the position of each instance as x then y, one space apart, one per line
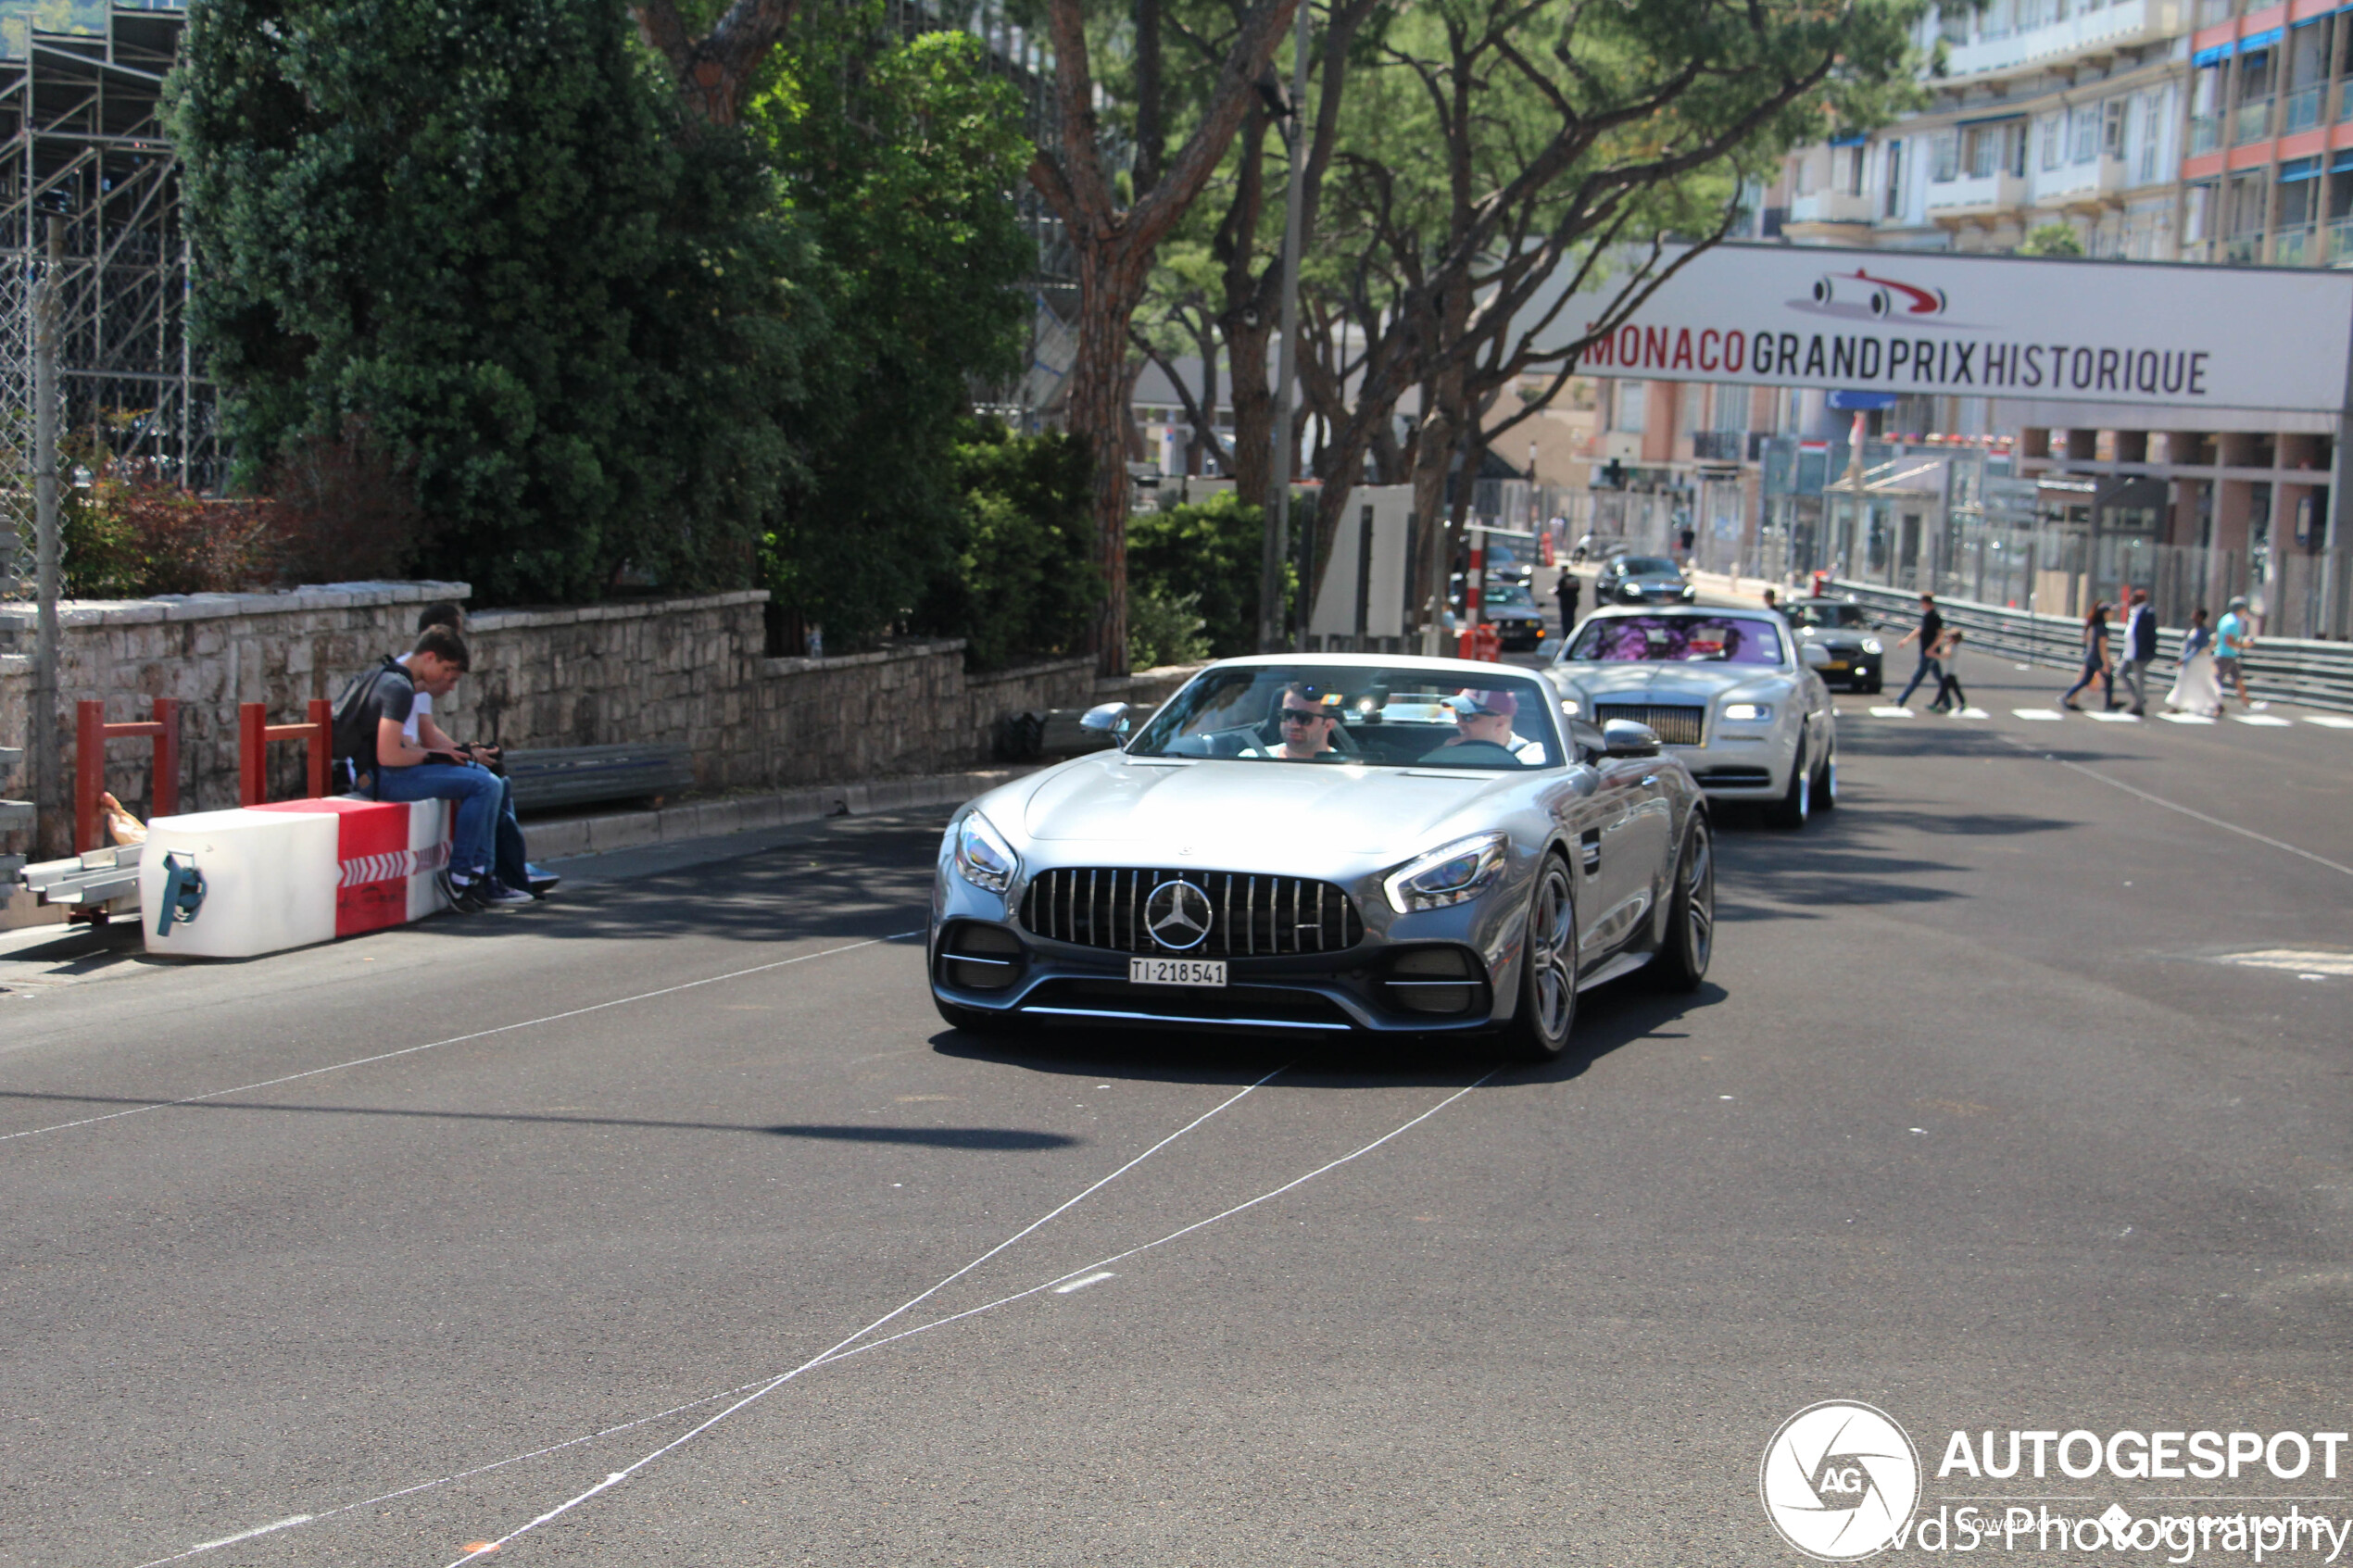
569 836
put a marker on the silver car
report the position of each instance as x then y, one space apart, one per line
1327 846
1731 692
1642 579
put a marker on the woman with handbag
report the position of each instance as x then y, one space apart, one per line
2096 660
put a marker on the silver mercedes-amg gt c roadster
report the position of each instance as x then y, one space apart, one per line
1325 844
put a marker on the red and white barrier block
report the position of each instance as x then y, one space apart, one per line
294 872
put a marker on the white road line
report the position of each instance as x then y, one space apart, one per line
458 1039
2200 816
2262 720
256 1530
1096 1278
2114 717
771 1385
2048 713
1891 713
2329 721
1172 1236
1973 713
2187 718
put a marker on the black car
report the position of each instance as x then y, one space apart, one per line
1846 632
1642 579
1513 611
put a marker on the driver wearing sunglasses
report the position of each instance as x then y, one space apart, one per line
1306 726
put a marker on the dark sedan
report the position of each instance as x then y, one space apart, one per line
1642 579
1845 631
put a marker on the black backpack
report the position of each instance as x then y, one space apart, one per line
354 711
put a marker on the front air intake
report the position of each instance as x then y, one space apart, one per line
976 957
1249 916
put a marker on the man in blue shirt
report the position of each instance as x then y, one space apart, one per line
2233 637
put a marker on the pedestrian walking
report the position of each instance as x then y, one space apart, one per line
1568 589
2095 661
1950 698
2194 690
2139 650
2232 637
1928 633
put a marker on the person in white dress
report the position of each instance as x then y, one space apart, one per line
2196 690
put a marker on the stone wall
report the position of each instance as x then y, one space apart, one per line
685 671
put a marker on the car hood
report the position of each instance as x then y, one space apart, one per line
1666 685
1510 612
1248 813
1835 637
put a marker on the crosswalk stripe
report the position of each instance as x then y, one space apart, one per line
2052 714
2185 718
1891 713
2264 720
2329 721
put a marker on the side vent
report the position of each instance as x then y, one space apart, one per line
976 957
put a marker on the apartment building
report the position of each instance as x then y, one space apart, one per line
2047 112
2268 173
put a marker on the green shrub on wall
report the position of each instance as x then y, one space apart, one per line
1021 581
1212 550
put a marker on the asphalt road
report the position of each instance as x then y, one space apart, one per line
426 1235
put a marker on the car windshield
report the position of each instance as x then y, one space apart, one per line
1647 566
1369 716
1677 639
1819 614
1509 595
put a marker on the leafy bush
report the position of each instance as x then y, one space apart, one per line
1163 631
1213 551
1020 582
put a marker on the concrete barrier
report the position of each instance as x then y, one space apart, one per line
292 873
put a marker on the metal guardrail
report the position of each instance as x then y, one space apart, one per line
2285 670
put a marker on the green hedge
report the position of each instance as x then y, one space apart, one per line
1212 552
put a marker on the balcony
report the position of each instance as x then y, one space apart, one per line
1830 206
2205 130
1719 445
2337 238
2242 250
1980 196
2302 111
2295 247
2087 32
2251 123
2081 184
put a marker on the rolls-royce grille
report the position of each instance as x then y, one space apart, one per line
1676 726
1249 916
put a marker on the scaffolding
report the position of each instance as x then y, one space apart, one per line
81 138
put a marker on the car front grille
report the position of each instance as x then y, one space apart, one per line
1676 726
1250 916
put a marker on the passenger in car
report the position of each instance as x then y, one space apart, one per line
1483 720
1307 724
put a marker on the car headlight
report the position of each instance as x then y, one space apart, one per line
1454 875
1747 712
1873 644
983 857
1572 707
1631 590
1690 592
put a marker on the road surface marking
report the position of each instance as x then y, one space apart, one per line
2328 721
460 1039
1096 1278
1891 713
2185 718
256 1530
2114 717
849 1348
2200 816
2265 719
773 1383
1973 713
2294 961
2049 713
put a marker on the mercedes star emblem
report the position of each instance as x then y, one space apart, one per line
1177 916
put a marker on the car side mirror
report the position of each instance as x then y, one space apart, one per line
1815 655
1106 717
1628 738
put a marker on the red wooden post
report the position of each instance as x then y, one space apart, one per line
252 754
163 796
89 770
322 740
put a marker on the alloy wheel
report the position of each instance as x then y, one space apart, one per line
1551 929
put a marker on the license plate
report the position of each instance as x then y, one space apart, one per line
1176 971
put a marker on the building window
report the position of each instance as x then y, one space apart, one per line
1731 407
1633 407
1854 169
1688 418
2087 133
2053 139
1952 23
1894 179
2112 128
2197 213
1984 148
1948 158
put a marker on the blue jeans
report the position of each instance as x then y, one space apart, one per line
512 866
478 794
1928 667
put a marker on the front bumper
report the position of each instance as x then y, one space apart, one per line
1357 991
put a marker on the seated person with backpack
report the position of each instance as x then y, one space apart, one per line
371 738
